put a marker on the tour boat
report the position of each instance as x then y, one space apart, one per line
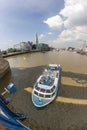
46 87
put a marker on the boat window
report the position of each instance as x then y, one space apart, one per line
52 89
35 92
47 96
37 88
41 95
42 90
48 91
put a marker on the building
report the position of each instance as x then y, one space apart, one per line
36 40
84 48
0 53
23 46
42 47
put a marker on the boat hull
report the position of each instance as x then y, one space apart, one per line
42 102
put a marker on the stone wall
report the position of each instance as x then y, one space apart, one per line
4 67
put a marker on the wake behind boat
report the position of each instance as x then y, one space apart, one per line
46 87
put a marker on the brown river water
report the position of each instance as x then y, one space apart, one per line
69 110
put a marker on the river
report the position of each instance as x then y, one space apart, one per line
69 110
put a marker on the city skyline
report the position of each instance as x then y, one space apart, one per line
59 23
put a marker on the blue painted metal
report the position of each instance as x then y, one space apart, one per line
10 120
12 88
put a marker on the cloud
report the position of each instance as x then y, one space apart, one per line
50 33
70 37
41 36
54 22
75 13
73 23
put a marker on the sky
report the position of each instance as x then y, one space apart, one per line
59 23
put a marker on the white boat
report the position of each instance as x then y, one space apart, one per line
46 87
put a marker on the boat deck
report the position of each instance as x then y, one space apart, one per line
46 81
48 78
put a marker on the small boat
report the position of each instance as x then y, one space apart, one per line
10 120
46 87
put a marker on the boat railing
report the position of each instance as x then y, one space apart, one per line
43 95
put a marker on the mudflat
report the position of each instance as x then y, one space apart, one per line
69 110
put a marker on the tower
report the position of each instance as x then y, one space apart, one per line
36 39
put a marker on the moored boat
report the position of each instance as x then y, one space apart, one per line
46 87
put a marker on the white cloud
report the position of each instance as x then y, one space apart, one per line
75 12
70 37
50 33
41 36
54 22
74 20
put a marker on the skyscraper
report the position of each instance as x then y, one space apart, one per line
36 39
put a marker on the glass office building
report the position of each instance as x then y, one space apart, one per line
23 46
42 46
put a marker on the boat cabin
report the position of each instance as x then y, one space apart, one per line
46 84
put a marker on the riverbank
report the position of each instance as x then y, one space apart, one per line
4 67
18 53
